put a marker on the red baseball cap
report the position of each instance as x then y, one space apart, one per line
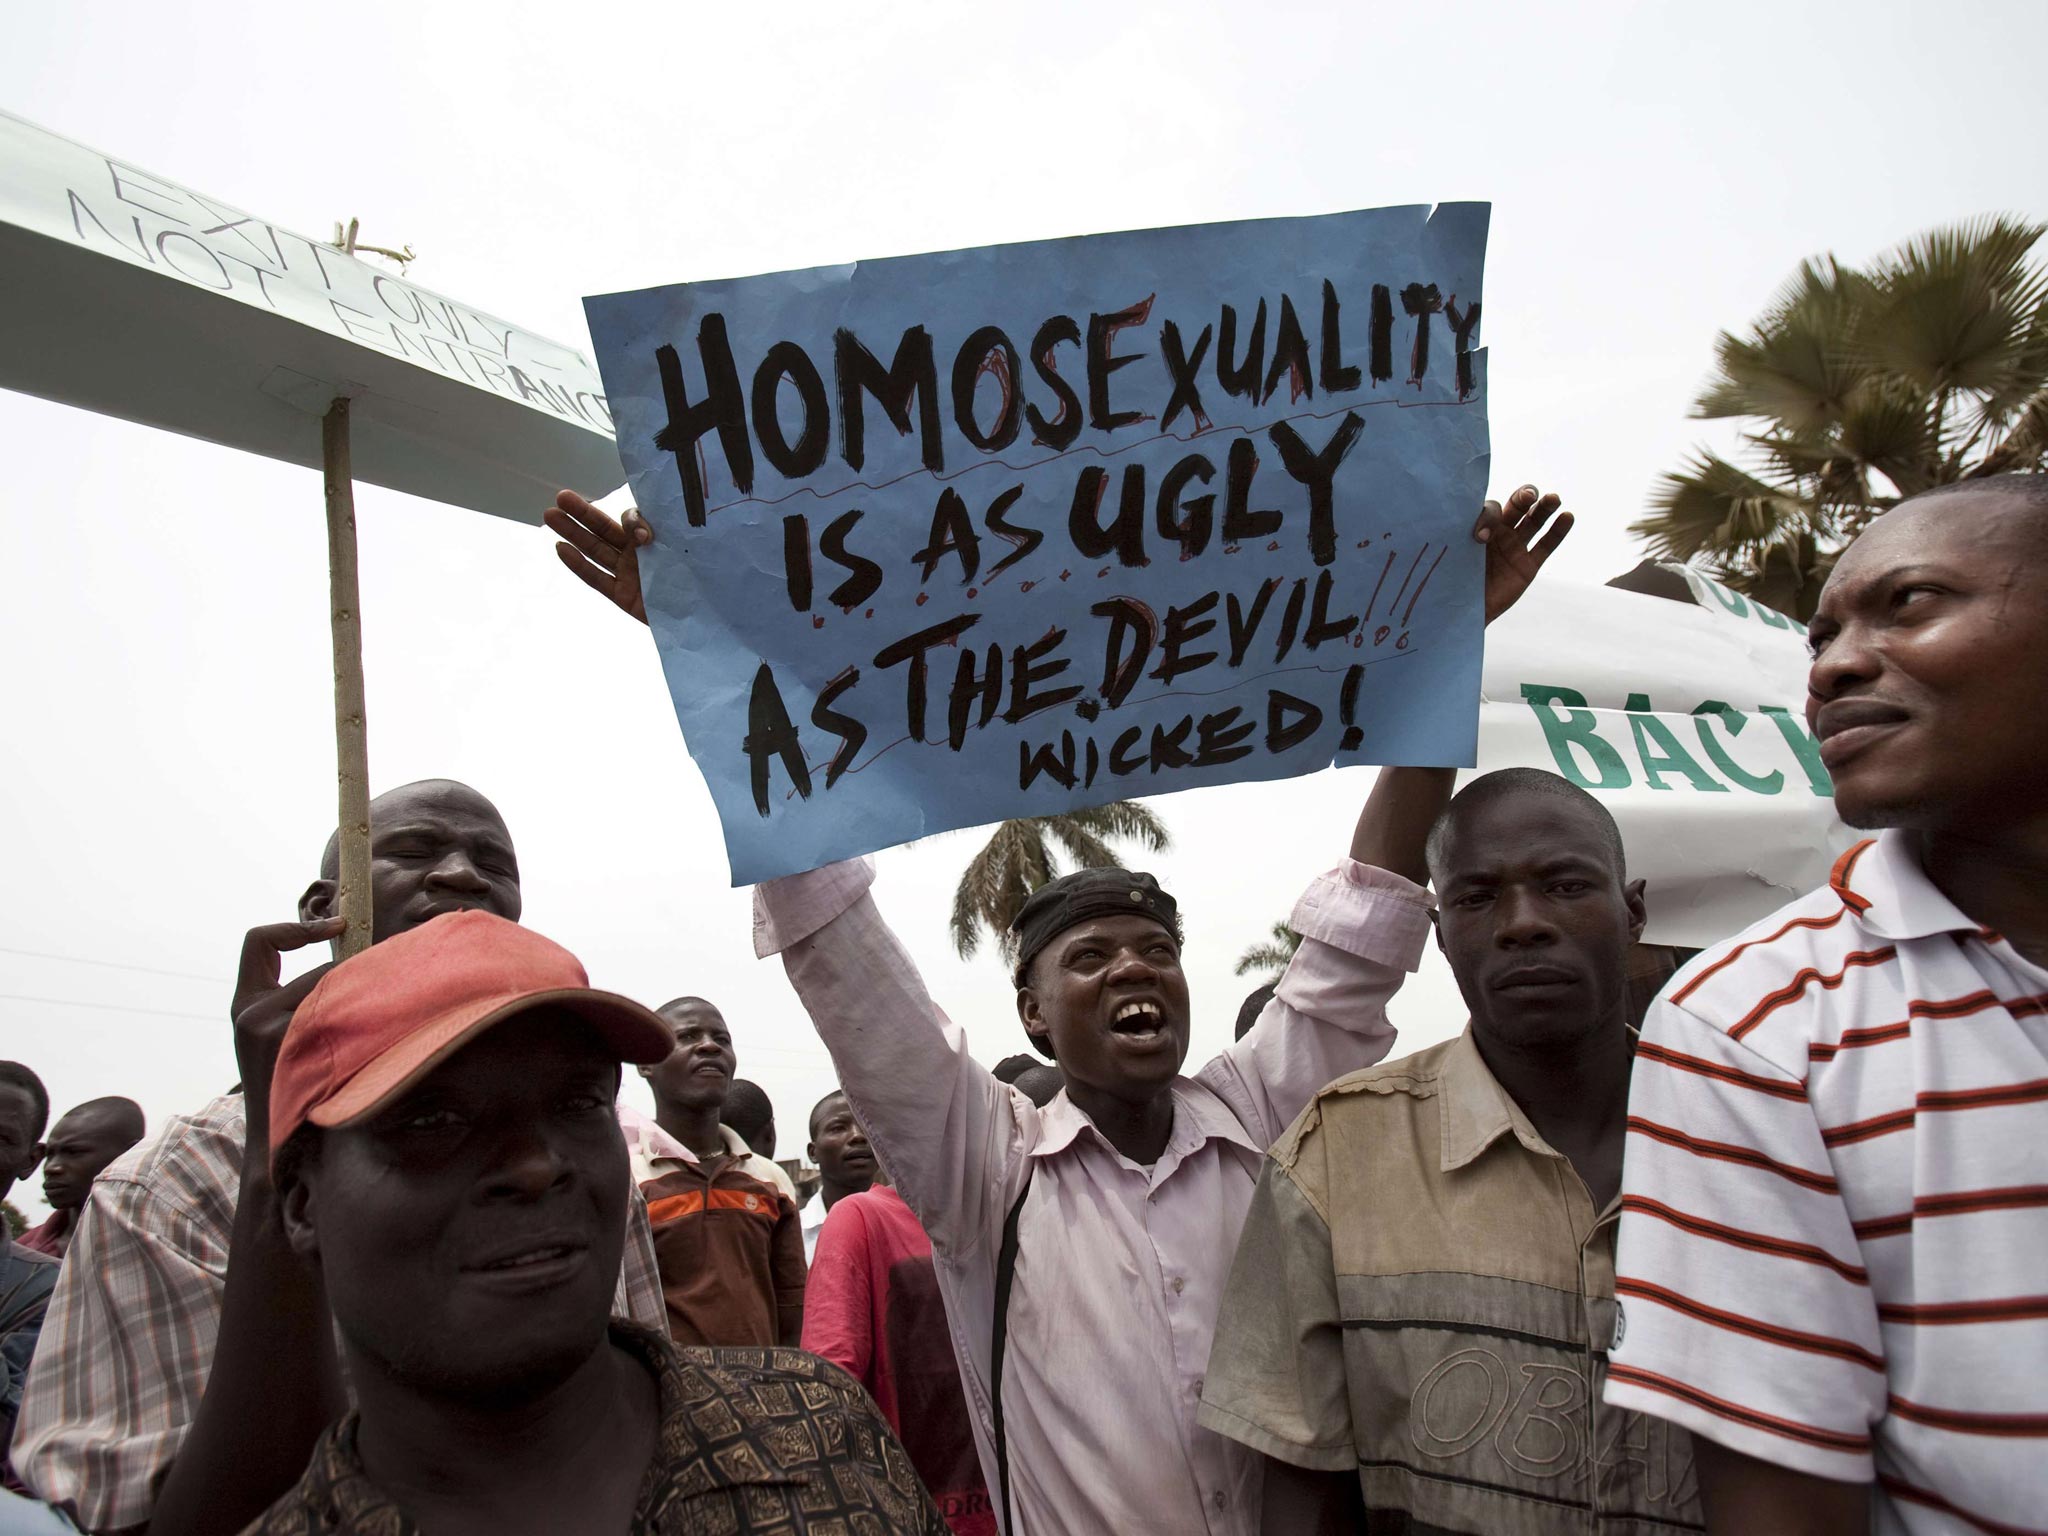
380 1021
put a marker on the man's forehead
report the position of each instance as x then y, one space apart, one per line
1968 528
832 1107
1112 925
435 801
1523 829
84 1121
695 1015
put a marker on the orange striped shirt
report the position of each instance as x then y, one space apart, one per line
1834 1238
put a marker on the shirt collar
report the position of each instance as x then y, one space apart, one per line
655 1143
1882 884
1476 1111
1198 1116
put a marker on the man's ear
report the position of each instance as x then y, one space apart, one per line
317 901
1437 928
295 1210
1035 1023
1638 914
811 1152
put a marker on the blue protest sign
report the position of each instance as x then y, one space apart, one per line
1003 532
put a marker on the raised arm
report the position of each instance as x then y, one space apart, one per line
1405 802
274 1382
948 1132
953 1138
1364 923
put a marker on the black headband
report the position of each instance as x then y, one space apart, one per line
1059 904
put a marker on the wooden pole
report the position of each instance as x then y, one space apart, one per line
351 734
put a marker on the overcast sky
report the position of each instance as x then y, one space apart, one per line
166 771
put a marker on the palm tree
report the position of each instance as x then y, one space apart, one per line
1864 386
1018 859
1269 957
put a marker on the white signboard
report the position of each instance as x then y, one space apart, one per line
125 293
1688 720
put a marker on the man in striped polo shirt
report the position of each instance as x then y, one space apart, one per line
1834 1240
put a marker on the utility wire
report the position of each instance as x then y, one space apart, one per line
115 965
73 1002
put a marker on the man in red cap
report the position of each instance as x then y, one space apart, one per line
447 1159
158 1396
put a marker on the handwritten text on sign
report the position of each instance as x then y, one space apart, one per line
1008 531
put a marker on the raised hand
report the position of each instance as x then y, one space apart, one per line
1513 552
604 554
263 1008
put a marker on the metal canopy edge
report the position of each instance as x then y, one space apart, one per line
125 294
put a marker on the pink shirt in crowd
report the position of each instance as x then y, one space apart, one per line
873 1309
1120 1268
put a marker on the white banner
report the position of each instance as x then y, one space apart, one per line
128 294
1688 720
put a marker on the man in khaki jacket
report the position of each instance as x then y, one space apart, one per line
1423 1296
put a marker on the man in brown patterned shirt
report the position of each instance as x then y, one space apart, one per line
449 1161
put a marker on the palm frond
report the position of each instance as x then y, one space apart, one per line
2024 443
1131 819
1083 847
1792 366
1995 408
1272 955
1951 307
964 925
1716 508
1887 428
1927 366
1017 859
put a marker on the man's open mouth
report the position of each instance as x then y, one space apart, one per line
1138 1021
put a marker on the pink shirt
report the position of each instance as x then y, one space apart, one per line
1120 1268
872 1307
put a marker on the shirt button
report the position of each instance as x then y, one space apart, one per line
1179 1285
1216 1498
1198 1386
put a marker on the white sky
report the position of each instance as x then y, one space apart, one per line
166 769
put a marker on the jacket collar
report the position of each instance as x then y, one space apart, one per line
1476 1111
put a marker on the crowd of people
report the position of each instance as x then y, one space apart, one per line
1765 1258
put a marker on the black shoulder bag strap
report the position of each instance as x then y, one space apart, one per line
1006 1270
